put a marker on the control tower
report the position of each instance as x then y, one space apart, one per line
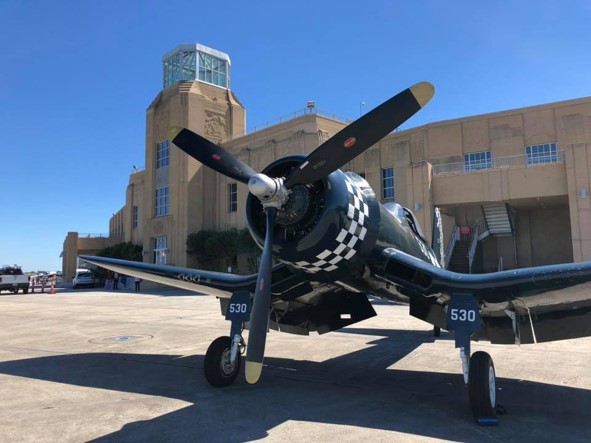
175 193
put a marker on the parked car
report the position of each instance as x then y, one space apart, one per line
12 279
83 277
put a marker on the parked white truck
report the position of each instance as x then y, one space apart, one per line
12 279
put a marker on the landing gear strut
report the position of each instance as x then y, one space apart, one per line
223 357
463 317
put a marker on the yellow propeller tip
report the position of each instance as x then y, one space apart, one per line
423 92
253 371
173 132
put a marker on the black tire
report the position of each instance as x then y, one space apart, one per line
15 290
75 287
482 387
26 291
436 331
217 368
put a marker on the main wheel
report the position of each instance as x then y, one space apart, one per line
483 388
218 370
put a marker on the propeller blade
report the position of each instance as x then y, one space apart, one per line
360 135
210 154
259 316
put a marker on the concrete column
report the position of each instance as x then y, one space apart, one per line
70 256
578 173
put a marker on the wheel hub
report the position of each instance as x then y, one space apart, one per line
492 388
226 366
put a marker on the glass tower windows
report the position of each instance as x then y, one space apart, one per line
213 70
179 66
196 62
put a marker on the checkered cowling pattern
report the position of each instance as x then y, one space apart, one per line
350 235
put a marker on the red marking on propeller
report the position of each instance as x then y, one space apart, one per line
217 156
350 142
262 285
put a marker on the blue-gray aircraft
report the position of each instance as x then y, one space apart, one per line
336 244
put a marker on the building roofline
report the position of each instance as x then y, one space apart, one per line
506 112
200 48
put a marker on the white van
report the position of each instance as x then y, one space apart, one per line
83 277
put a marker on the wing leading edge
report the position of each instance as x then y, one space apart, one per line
214 283
415 274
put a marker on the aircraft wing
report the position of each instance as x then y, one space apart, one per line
526 305
298 306
214 283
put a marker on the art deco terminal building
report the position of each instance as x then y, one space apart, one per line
513 186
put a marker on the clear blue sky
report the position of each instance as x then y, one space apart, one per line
77 76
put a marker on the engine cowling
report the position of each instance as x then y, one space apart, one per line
327 228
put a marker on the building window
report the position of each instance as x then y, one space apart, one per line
136 216
388 183
161 203
162 154
538 154
213 70
160 250
179 66
232 197
477 161
196 62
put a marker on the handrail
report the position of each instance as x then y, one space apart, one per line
473 245
453 238
511 161
500 264
292 116
482 226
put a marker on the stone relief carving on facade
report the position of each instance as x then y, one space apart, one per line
215 124
322 136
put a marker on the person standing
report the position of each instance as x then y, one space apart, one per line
137 282
115 281
109 280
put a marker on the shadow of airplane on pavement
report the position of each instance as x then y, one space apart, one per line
355 389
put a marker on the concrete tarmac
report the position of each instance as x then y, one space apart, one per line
90 365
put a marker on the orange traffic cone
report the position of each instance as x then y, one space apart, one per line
52 290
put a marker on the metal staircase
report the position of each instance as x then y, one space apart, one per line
498 218
459 260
